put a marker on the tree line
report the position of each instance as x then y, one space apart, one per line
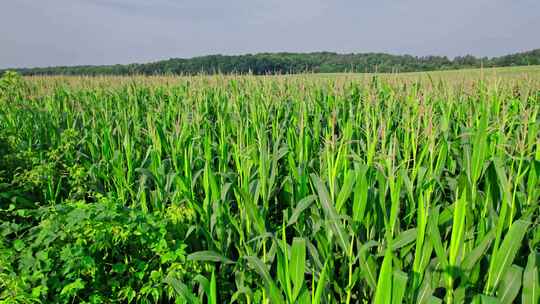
293 63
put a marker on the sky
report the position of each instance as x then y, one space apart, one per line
77 32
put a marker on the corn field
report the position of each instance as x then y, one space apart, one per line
244 189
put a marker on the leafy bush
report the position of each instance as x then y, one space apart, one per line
90 253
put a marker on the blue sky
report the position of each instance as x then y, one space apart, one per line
73 32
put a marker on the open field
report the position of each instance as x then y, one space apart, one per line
528 75
318 188
464 77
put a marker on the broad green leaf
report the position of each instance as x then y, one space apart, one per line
70 290
253 212
424 293
261 269
331 214
346 190
360 194
182 290
297 265
383 294
242 290
205 284
317 297
212 297
209 256
304 297
302 205
507 252
404 238
435 237
483 299
478 252
324 198
458 230
367 265
434 300
399 285
283 272
510 285
531 287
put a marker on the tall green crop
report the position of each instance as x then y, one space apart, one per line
293 189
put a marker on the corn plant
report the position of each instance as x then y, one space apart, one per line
263 189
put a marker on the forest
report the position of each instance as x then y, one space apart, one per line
293 63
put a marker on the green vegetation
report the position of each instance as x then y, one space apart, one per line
293 63
269 190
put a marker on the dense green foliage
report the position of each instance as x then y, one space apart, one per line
292 63
269 190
